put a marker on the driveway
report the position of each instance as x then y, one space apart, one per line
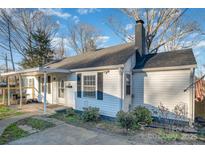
66 134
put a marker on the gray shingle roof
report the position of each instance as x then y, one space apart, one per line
166 59
119 54
114 55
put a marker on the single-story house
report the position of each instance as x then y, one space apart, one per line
117 78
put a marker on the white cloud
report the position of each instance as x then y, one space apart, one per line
87 11
129 26
56 12
76 19
58 22
103 39
201 44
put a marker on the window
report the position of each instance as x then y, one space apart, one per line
128 87
49 85
61 88
78 85
89 86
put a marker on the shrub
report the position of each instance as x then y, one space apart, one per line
90 114
125 119
142 114
70 112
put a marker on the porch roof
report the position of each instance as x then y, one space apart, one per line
34 71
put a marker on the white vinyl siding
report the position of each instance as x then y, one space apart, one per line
111 102
166 87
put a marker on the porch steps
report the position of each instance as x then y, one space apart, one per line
61 109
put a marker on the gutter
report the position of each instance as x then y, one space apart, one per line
165 68
97 68
36 69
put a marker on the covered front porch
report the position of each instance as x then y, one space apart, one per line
38 108
39 91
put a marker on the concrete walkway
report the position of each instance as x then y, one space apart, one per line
65 134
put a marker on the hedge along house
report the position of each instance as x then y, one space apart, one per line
117 78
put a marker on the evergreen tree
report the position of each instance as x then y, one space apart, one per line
41 51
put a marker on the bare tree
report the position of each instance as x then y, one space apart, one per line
24 23
164 28
83 37
5 32
60 48
29 21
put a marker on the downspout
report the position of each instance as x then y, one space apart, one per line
193 95
121 87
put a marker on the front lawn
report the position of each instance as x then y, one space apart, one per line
73 119
146 136
15 130
6 112
11 133
169 136
36 123
76 120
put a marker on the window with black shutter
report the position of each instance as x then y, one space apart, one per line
78 85
128 84
100 86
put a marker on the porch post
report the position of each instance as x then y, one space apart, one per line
4 96
45 91
20 90
8 90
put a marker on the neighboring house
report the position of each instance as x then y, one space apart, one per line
118 78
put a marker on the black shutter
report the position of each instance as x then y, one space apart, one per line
100 86
78 85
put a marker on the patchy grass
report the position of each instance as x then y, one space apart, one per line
168 136
75 119
6 112
109 126
147 136
36 123
11 133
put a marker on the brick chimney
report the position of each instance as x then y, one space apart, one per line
140 37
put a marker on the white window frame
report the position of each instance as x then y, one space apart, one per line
82 82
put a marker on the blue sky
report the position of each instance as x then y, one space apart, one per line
97 17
